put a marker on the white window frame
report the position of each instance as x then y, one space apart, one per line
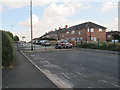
62 35
109 36
100 30
73 39
79 33
94 38
92 29
81 38
88 29
73 32
67 32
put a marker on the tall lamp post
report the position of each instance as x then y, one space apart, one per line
11 27
31 25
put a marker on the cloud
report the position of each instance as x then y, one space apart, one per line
54 16
26 23
113 25
107 6
14 4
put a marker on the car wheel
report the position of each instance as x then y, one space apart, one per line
67 47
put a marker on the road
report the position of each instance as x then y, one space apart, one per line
27 46
79 68
24 75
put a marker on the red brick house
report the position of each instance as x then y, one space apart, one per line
86 31
110 35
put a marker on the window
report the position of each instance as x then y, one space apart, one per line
73 39
100 30
81 38
79 33
77 39
67 33
73 32
94 38
109 36
55 35
62 35
88 29
92 29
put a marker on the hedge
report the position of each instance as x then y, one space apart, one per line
7 49
104 46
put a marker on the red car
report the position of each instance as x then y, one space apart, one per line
63 44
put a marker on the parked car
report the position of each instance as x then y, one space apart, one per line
116 41
63 44
38 42
45 43
34 42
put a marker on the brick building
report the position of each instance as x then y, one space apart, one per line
86 31
110 35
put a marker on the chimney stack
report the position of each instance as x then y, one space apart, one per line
66 26
59 28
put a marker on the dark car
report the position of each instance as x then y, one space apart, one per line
38 42
63 44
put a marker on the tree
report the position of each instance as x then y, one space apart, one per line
16 38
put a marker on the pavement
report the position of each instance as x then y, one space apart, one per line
25 75
78 68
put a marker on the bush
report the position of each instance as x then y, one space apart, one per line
7 49
10 34
103 46
16 38
88 45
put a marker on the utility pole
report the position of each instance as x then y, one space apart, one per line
31 25
90 33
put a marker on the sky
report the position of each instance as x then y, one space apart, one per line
51 14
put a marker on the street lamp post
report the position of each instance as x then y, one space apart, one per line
31 25
11 27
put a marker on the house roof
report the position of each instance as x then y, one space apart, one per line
113 32
77 27
86 25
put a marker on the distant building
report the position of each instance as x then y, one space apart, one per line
86 31
110 35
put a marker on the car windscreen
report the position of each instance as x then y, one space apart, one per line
64 41
46 41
